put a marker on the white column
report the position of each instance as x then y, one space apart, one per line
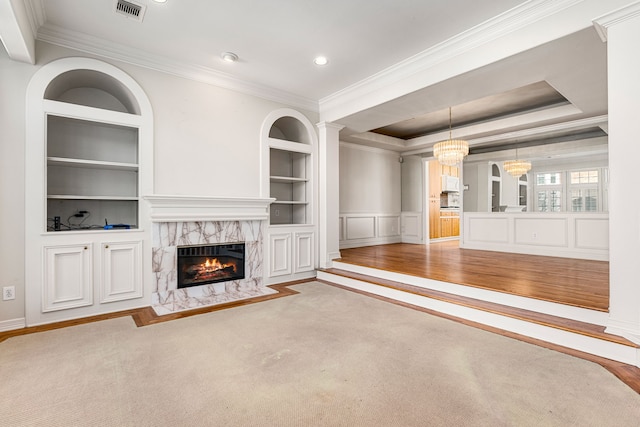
328 192
621 31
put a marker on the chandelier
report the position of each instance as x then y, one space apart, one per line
452 151
517 168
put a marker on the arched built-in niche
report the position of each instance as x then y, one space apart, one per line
288 148
289 153
89 162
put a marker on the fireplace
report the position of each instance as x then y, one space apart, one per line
202 264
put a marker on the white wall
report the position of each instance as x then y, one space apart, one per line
369 179
370 196
195 124
412 184
14 77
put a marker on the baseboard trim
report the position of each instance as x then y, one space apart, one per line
13 324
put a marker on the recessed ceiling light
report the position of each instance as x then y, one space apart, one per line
160 1
320 60
229 57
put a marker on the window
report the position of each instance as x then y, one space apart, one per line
584 200
584 190
584 177
550 201
547 178
549 191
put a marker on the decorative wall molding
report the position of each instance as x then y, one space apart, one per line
603 23
411 227
366 229
168 208
562 234
492 29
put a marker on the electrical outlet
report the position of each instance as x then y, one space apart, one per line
8 293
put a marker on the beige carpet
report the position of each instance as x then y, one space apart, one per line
325 357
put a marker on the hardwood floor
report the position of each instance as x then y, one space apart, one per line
581 283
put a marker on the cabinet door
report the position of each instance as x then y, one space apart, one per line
67 277
455 226
121 277
304 252
435 179
279 254
445 227
434 218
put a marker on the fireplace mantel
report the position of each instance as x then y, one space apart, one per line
168 208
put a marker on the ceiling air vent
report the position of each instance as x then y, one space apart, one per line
131 10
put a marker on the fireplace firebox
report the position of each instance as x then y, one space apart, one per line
203 264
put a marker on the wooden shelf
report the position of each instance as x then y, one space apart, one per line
289 202
287 179
77 197
97 164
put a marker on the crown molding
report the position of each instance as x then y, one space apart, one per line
96 46
603 23
492 29
37 15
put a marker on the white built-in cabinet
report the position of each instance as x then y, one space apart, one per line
289 158
88 161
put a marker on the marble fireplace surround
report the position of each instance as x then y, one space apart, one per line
193 220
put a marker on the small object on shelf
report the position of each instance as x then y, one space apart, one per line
108 226
56 223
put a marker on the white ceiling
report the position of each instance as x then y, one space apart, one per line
277 40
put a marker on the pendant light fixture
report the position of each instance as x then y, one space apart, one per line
517 168
452 151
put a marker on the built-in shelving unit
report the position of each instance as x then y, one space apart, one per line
288 161
289 172
92 167
89 158
289 186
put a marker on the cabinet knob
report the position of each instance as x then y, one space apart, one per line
106 246
85 248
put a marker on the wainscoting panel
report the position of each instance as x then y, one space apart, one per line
411 227
541 231
366 229
361 227
562 234
592 233
494 230
388 226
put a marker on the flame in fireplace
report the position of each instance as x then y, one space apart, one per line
212 268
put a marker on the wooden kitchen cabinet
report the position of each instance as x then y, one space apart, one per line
445 226
434 218
455 226
435 180
441 223
449 224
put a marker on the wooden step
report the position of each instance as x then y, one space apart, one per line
573 326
